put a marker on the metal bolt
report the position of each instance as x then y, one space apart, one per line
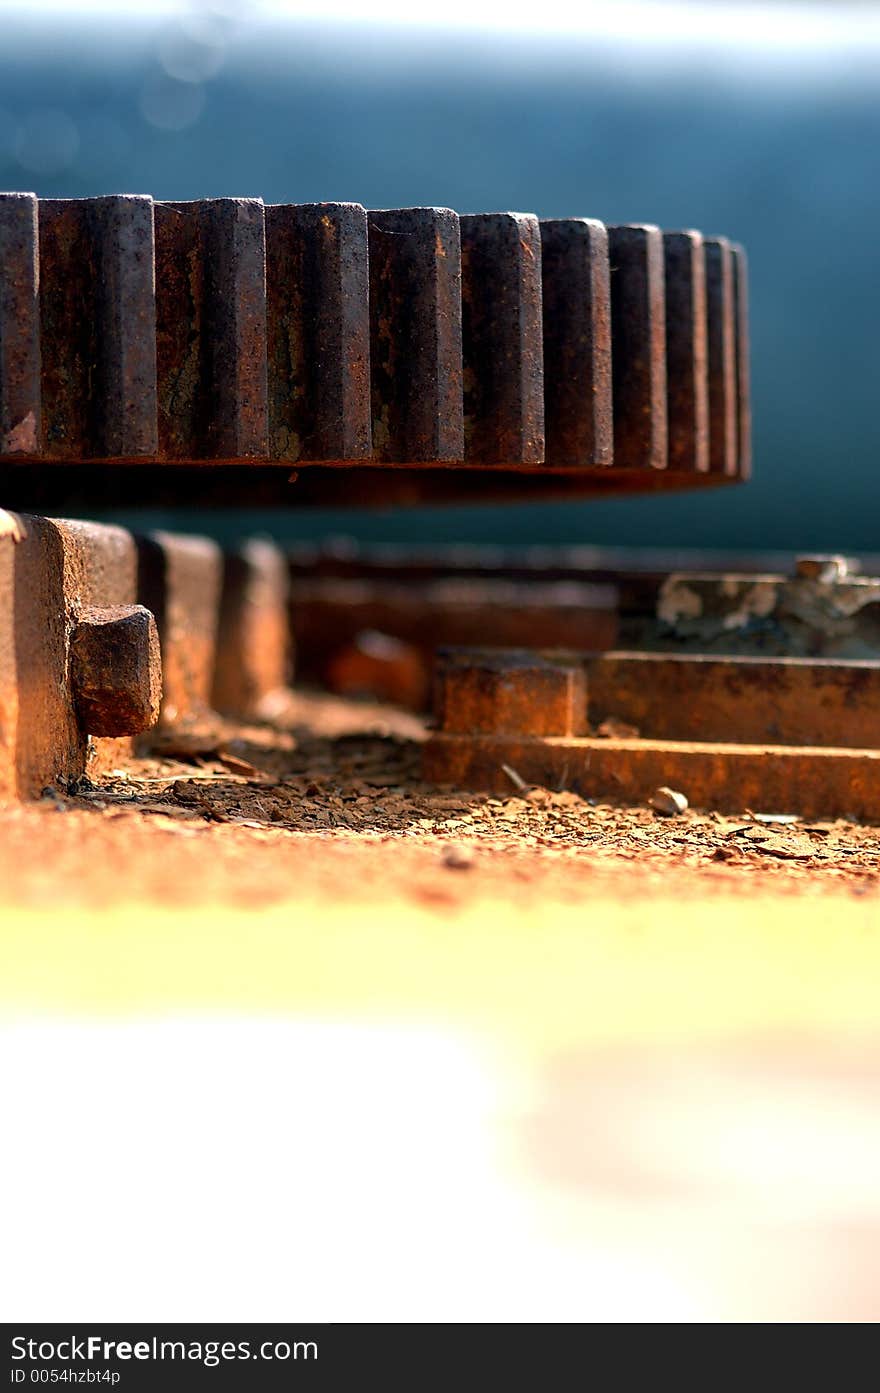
503 693
116 670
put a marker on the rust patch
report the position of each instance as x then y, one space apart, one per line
638 342
317 278
19 326
179 580
723 364
576 292
254 659
211 329
502 338
815 782
491 693
687 381
415 347
115 670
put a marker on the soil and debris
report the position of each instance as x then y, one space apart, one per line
333 803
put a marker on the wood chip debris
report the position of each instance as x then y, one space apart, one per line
364 788
784 848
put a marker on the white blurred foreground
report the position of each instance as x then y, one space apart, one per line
247 1169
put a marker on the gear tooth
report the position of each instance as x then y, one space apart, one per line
67 330
577 343
317 289
687 384
415 335
126 416
743 389
537 358
721 317
19 326
502 337
98 328
211 329
638 342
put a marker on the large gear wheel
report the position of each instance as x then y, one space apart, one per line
406 354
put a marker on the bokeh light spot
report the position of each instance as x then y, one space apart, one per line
171 105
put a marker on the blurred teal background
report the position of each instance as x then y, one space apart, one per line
775 145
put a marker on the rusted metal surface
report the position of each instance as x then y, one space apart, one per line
377 665
68 337
811 782
687 381
51 574
576 296
722 329
318 311
743 374
179 581
483 693
98 328
638 345
89 617
329 614
211 329
714 730
545 596
19 326
39 736
78 661
405 345
456 610
343 556
502 339
253 659
581 597
125 384
784 701
35 486
415 309
772 604
116 670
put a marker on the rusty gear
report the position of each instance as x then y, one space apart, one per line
432 356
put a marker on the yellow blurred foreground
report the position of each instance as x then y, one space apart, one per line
617 1109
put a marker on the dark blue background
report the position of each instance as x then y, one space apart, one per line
785 162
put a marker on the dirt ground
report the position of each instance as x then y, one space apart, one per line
660 1033
333 806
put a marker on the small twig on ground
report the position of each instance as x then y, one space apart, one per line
514 778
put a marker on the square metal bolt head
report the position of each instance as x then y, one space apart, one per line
116 670
508 693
